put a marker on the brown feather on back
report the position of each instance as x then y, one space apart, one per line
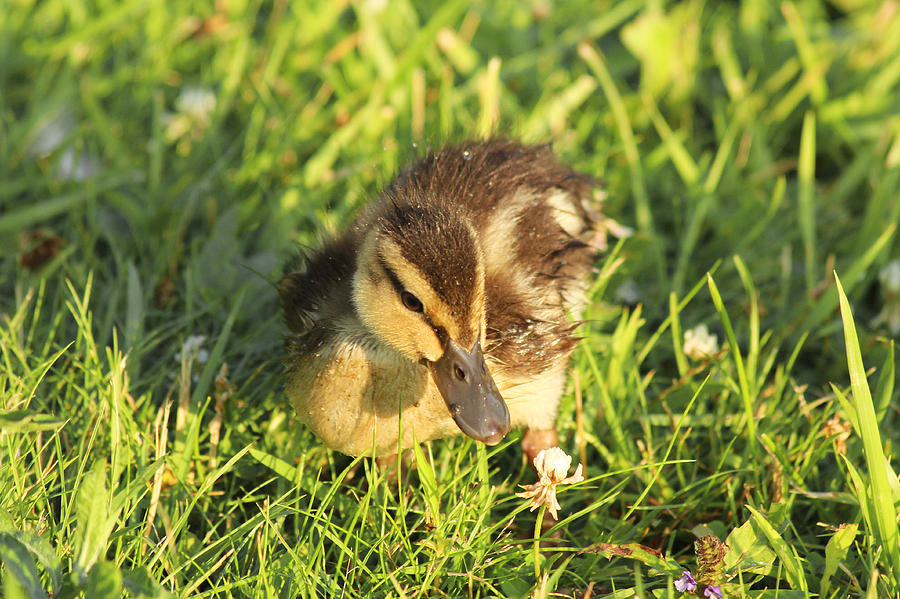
535 265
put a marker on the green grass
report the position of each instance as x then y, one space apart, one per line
753 146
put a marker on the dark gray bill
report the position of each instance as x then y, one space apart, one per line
471 395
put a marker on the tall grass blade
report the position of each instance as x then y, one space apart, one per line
883 510
743 382
806 172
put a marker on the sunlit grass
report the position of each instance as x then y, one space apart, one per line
159 162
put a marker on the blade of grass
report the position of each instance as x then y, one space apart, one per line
883 507
806 173
550 116
723 152
681 158
885 388
658 469
489 88
753 345
690 238
430 488
738 361
677 337
811 57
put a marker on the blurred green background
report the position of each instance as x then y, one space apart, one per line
161 161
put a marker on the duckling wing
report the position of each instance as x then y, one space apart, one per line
316 288
538 225
535 284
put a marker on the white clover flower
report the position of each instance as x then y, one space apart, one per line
193 352
193 347
628 292
196 102
890 315
51 136
889 276
552 465
193 114
699 344
78 167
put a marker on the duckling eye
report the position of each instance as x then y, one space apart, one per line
411 302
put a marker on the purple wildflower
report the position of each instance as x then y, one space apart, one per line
687 583
712 592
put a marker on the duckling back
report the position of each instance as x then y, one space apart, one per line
538 228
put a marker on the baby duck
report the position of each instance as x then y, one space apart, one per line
445 307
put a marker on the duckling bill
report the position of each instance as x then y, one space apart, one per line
445 307
470 393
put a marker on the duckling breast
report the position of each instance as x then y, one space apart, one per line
351 393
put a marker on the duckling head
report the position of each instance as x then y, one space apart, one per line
419 288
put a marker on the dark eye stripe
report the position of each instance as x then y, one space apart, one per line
411 302
441 332
392 276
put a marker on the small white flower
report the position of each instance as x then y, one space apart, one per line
79 167
890 316
889 277
192 348
699 344
628 292
890 280
52 136
193 114
196 102
552 465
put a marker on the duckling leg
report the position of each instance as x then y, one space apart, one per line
536 440
394 466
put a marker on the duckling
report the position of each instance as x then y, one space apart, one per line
445 307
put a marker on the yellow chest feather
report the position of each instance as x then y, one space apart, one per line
351 395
